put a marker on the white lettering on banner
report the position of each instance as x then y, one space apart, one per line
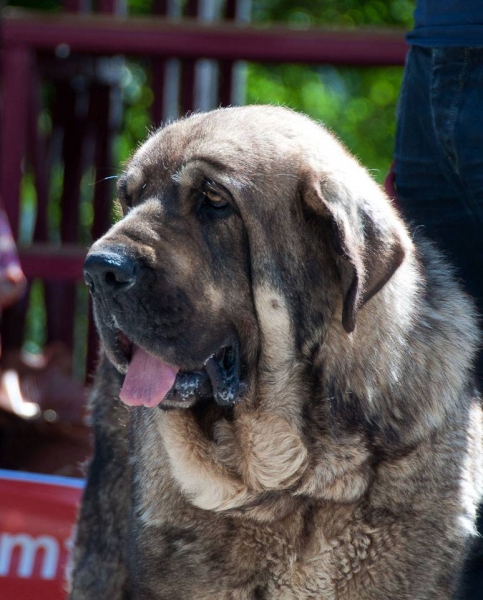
28 547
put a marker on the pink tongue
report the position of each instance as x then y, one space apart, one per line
147 380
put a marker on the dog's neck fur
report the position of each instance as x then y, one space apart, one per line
241 463
390 370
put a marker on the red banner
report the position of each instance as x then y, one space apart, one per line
37 515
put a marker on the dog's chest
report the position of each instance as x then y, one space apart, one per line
204 554
293 563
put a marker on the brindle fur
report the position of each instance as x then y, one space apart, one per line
351 469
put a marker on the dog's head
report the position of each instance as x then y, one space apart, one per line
247 233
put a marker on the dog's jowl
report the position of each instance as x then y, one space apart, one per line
284 406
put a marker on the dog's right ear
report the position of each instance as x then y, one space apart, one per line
368 238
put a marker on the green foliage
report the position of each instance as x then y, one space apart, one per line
36 319
357 104
338 13
36 4
138 98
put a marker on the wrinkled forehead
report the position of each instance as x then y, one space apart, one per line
224 140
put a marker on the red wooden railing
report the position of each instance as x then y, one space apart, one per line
102 35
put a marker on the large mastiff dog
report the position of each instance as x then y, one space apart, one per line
284 405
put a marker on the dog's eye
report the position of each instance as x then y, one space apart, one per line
215 199
129 200
212 200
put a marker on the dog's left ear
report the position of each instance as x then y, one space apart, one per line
368 238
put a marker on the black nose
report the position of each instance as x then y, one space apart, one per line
107 274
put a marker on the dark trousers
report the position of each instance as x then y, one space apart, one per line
439 180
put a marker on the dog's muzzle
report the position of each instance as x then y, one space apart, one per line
149 380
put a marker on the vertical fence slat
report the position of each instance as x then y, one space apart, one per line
16 69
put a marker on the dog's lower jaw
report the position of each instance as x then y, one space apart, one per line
218 380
